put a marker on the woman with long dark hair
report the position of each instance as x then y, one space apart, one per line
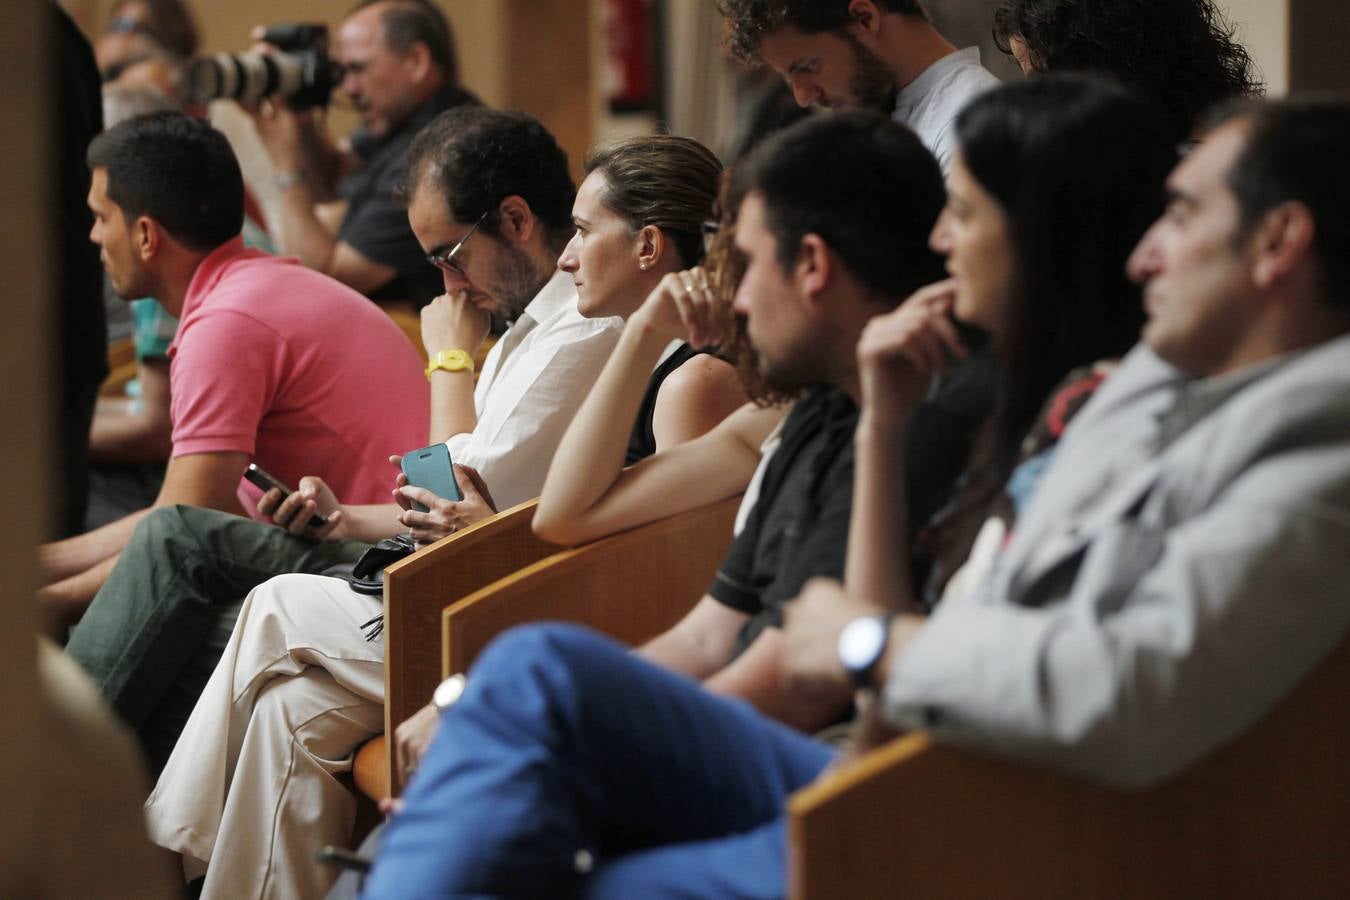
1055 181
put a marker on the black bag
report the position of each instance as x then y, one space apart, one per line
366 575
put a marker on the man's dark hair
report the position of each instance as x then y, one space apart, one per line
866 185
1296 151
479 157
407 22
177 170
1180 53
748 21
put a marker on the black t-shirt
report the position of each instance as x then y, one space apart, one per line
799 527
376 224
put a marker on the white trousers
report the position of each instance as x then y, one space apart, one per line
249 791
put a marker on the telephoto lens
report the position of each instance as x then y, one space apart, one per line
299 71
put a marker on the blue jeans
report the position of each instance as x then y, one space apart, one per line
566 749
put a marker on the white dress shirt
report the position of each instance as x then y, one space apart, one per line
532 383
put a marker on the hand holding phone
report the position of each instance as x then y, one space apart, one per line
430 468
265 480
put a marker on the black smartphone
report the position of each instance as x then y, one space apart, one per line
266 480
342 858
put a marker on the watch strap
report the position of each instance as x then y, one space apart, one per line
451 361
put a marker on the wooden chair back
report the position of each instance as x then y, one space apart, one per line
1266 816
417 588
632 585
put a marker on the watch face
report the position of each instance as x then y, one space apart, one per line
448 692
861 642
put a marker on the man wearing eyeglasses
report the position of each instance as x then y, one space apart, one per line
339 213
490 200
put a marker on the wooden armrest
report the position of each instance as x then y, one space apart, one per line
631 585
370 769
1265 816
417 587
122 367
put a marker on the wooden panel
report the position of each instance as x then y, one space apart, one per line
1263 28
632 585
548 69
418 587
1317 57
26 367
1267 816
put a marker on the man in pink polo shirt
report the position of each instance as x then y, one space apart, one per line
272 362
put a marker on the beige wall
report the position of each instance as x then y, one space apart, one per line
1263 25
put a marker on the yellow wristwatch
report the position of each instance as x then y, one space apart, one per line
450 361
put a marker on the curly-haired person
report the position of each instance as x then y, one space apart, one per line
883 55
1181 53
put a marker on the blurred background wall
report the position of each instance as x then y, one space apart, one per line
556 58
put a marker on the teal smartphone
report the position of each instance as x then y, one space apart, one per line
430 468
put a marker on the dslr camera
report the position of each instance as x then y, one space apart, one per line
299 71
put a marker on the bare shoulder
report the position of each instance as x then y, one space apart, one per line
694 399
703 377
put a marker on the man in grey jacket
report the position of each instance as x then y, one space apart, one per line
1183 563
1180 569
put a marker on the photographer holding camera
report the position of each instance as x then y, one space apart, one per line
339 213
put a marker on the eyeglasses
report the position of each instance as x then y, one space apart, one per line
445 261
709 229
128 25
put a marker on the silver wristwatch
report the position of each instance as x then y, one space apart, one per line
448 692
862 643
